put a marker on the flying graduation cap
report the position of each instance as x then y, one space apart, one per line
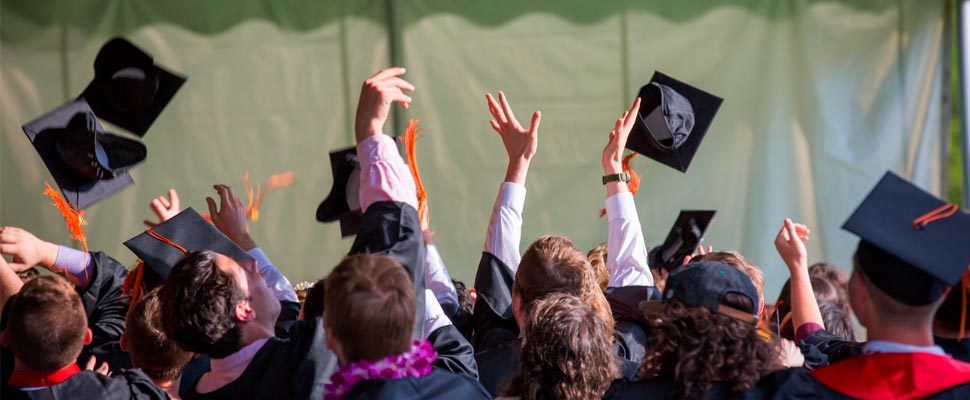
87 163
673 119
343 204
913 245
683 238
128 89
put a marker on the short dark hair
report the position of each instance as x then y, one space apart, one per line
837 320
375 297
313 303
46 323
28 274
198 302
149 348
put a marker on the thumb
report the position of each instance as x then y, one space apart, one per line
90 364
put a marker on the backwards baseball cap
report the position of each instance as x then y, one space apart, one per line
342 203
128 89
673 119
704 285
913 245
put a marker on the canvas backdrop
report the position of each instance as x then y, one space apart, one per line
821 98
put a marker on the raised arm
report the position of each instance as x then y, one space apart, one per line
230 219
29 251
805 313
505 225
626 254
10 283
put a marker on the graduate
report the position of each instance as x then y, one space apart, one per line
913 248
46 328
508 283
151 351
387 365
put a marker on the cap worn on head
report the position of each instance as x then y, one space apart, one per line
342 202
163 246
704 285
913 245
87 163
128 89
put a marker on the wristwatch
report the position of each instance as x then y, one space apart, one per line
622 177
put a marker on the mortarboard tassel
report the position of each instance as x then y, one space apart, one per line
410 140
132 286
74 218
634 183
274 182
965 285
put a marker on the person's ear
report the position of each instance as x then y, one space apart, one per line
88 336
517 311
244 311
123 342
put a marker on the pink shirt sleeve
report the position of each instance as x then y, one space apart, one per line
383 174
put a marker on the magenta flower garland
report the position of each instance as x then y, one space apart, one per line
413 363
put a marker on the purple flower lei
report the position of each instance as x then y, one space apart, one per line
413 363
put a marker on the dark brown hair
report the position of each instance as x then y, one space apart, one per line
780 321
695 348
149 348
198 302
46 324
376 306
313 303
567 352
552 264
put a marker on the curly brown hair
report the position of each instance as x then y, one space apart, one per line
567 353
697 347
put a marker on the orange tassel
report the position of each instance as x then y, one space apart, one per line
410 141
634 184
274 182
965 285
74 218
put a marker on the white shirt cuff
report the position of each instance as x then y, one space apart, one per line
276 281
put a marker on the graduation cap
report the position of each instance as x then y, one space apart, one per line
683 238
128 89
87 163
913 245
343 204
674 117
164 245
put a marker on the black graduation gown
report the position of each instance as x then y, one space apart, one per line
106 307
439 384
295 367
822 348
130 384
492 319
958 349
501 362
658 388
392 229
455 354
876 376
632 335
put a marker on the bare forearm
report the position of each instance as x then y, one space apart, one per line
804 307
10 283
517 171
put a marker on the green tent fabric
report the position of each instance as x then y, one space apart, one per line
821 98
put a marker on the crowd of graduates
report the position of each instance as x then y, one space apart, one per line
205 314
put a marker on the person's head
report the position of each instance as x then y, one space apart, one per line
706 330
738 261
465 300
313 303
377 299
212 305
780 318
46 324
28 274
567 353
149 348
836 276
552 264
837 319
597 260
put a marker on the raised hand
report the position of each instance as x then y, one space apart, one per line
27 250
613 152
520 143
230 216
379 92
791 247
164 208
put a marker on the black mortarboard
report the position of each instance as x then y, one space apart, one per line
683 238
128 89
87 163
164 245
913 245
674 117
342 203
